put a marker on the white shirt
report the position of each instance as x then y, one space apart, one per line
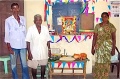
15 32
38 42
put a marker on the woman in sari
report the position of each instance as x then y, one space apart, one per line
103 46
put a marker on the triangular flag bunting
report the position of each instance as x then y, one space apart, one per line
52 38
59 63
53 64
78 63
73 64
68 37
109 7
97 19
63 63
100 19
79 37
69 64
82 64
93 8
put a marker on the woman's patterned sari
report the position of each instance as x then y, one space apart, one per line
103 51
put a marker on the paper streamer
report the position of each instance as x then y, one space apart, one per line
93 8
72 39
66 1
59 63
76 38
93 12
69 63
73 64
85 37
63 63
89 36
52 38
45 8
79 37
100 19
68 37
93 1
71 0
85 1
83 9
53 64
109 7
82 64
97 18
109 13
57 1
87 8
78 63
49 1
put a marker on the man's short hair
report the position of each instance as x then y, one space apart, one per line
14 4
37 15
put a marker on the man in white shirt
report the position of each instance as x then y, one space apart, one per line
38 44
15 32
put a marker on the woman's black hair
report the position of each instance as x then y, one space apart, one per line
14 4
104 13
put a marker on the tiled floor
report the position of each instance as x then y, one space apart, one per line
9 75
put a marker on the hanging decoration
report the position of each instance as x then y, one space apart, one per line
84 9
77 38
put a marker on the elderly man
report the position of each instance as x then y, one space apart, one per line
38 46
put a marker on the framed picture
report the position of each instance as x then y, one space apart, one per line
69 25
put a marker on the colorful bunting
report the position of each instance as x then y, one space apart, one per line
59 63
63 63
52 38
97 19
93 8
79 37
86 10
78 63
71 0
45 8
49 1
109 7
109 13
57 1
85 1
83 8
100 19
82 64
93 1
66 1
73 64
93 12
70 38
69 63
53 64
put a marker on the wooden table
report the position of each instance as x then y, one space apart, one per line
69 68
